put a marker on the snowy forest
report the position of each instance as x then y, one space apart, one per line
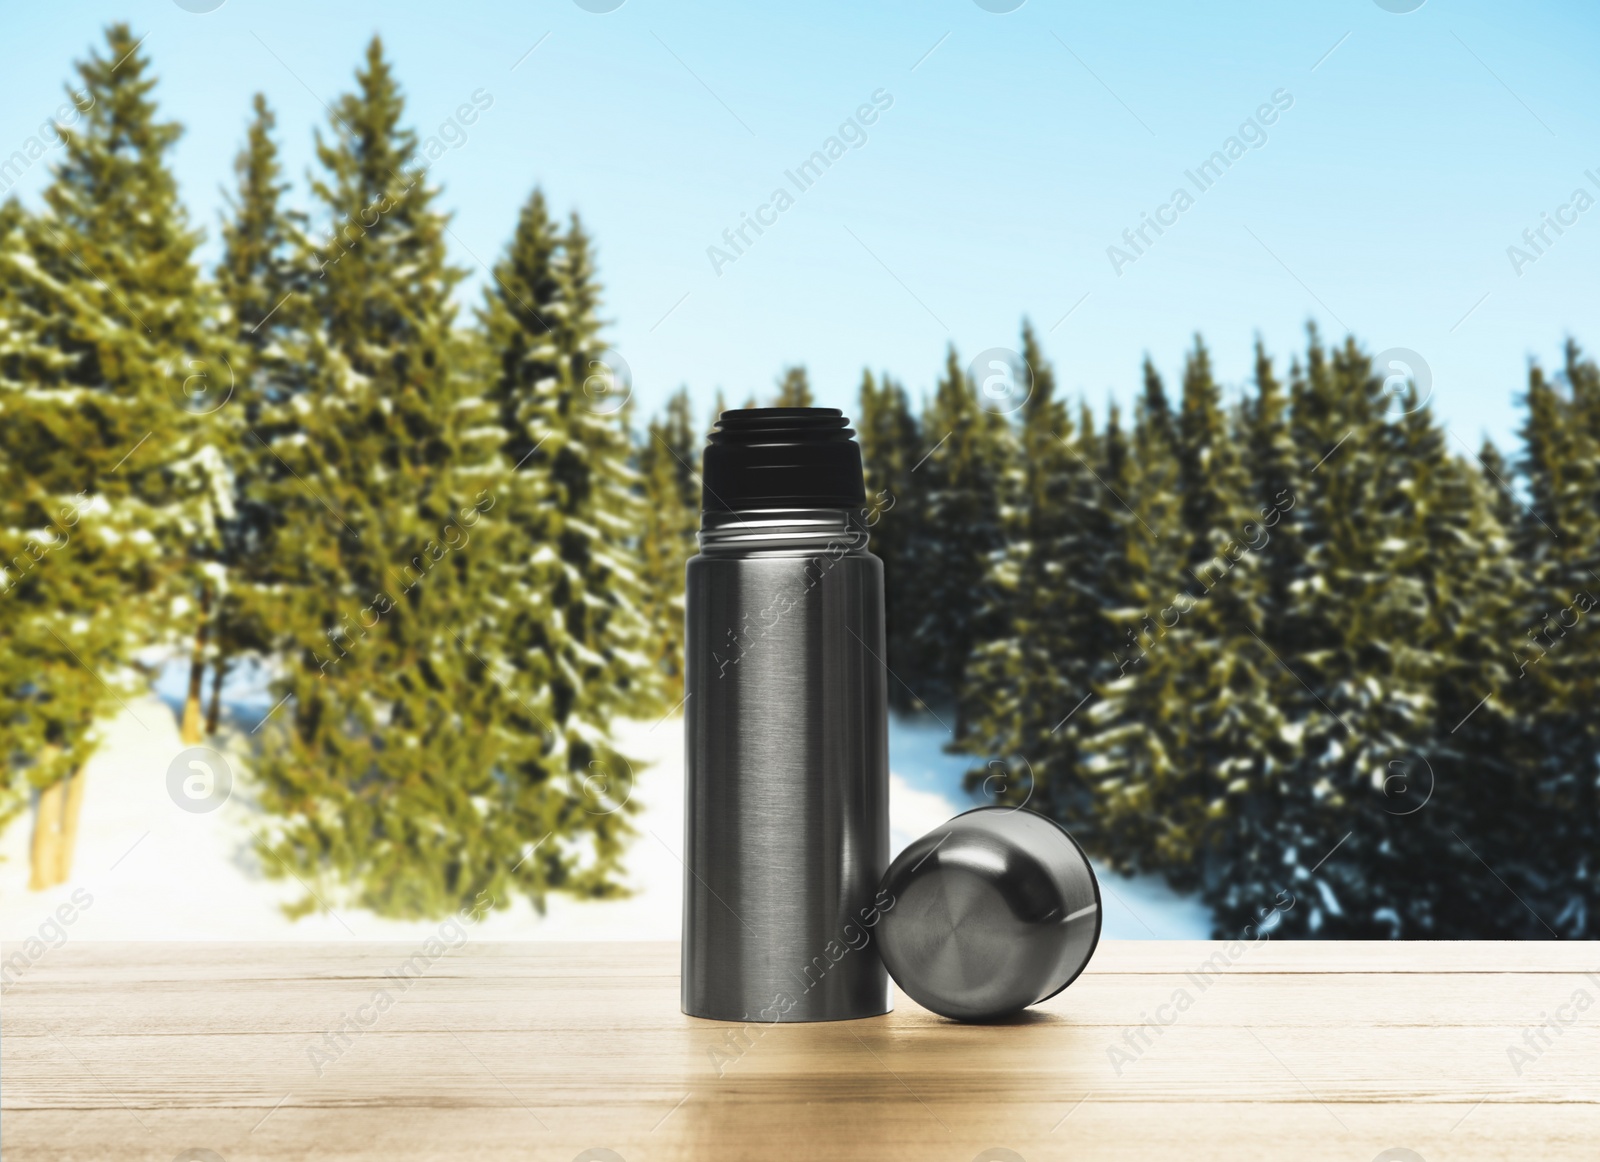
1298 637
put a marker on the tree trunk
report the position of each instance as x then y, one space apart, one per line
69 826
46 836
215 712
55 832
197 673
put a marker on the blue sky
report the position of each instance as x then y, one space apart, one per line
1017 149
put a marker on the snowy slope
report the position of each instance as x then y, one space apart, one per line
152 870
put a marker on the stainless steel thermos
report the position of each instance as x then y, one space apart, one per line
791 909
787 813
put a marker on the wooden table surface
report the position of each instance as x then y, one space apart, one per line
1355 1051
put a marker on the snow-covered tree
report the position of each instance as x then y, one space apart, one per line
257 282
966 457
569 623
669 484
402 759
886 429
1056 586
1134 729
105 356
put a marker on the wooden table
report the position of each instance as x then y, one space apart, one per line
564 1051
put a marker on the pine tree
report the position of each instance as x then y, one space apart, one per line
104 351
600 512
794 389
1183 715
667 541
256 281
961 479
886 428
572 629
407 757
1476 738
1232 678
1554 666
1025 686
1289 739
1497 475
1393 559
45 730
1133 729
1319 742
1276 481
1241 873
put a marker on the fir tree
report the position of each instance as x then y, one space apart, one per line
1331 717
1241 858
794 389
667 540
886 428
1398 542
407 756
1554 664
1300 755
599 510
1133 733
1497 477
256 279
17 556
1276 483
1155 414
960 480
1179 721
1025 686
571 630
103 347
1232 678
1474 736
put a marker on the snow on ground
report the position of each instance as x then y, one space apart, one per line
152 870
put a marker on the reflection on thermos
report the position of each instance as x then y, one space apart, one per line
786 745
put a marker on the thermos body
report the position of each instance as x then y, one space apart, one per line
786 748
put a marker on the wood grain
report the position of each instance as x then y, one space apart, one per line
545 1051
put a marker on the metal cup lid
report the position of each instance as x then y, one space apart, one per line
993 911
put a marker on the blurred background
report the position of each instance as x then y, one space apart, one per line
1231 447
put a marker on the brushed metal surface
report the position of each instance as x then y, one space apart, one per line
786 747
996 910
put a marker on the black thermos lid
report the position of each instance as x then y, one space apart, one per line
782 458
996 910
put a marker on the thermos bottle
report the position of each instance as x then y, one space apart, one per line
786 746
